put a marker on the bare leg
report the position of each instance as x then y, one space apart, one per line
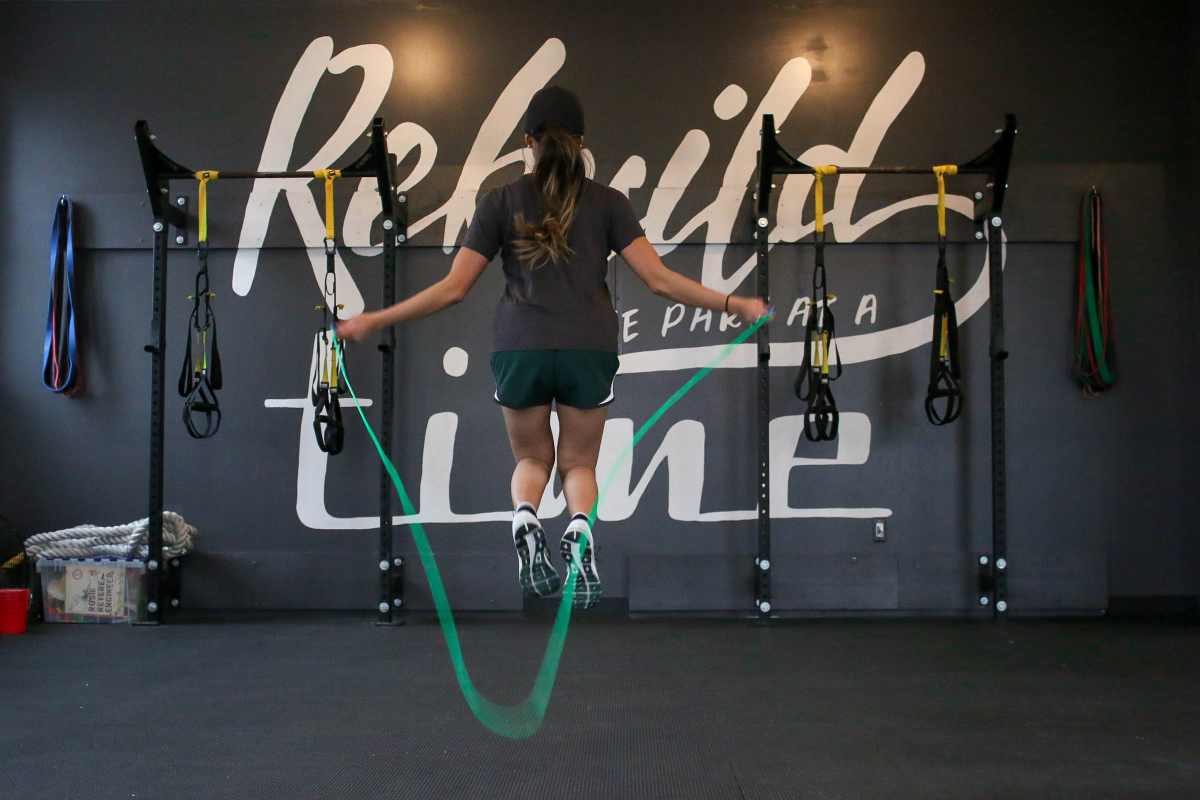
580 431
578 449
533 449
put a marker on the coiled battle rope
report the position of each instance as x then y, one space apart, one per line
113 541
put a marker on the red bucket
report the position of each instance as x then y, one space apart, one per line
14 610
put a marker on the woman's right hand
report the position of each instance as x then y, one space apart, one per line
750 309
357 328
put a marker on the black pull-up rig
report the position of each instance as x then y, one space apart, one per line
993 165
159 170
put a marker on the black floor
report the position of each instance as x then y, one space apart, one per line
333 707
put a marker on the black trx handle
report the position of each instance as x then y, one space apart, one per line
200 378
943 396
327 415
813 381
327 408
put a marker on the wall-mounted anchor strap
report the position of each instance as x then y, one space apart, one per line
813 381
943 396
200 377
327 408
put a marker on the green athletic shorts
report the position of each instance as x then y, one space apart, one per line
576 378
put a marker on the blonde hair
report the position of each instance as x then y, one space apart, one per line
558 176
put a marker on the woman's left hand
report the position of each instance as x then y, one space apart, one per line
357 328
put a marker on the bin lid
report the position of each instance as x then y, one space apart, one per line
63 563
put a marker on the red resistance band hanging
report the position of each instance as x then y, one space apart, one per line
61 373
1094 339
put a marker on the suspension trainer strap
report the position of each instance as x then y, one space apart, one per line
943 397
1093 308
814 379
200 377
327 417
60 352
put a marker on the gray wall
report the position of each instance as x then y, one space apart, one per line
1100 495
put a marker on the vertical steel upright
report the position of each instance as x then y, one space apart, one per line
997 161
762 287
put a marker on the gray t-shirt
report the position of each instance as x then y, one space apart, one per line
563 306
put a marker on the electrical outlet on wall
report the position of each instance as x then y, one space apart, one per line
880 531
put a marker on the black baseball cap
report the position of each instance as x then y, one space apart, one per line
554 105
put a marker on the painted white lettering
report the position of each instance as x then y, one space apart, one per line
866 306
627 325
800 308
673 316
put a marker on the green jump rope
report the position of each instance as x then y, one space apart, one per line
522 720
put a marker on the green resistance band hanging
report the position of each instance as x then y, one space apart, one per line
522 720
1093 309
814 379
944 370
200 377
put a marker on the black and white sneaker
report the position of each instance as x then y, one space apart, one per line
534 570
579 555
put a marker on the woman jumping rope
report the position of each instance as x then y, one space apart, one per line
555 330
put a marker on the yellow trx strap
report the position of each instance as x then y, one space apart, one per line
819 193
941 171
329 176
333 366
330 360
204 176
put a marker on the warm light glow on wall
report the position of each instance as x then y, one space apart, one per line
421 60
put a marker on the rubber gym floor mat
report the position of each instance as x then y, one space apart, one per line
334 707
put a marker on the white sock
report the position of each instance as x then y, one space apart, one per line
524 517
579 524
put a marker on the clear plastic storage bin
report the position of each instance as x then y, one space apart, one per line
92 590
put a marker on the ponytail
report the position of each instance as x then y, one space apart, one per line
558 176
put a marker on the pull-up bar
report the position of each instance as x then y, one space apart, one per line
248 175
882 171
159 171
993 163
774 160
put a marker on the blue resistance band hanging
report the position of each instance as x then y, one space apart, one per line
60 357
